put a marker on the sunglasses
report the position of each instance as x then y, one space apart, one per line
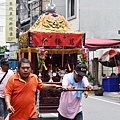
77 74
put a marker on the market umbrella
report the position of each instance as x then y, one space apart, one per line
111 63
109 58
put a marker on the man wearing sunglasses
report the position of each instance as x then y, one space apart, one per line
70 107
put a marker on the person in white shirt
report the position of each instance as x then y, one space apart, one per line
5 74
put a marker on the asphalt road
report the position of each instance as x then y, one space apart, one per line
101 108
106 107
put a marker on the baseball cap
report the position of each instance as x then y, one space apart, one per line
5 61
81 69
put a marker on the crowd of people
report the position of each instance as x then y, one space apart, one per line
18 92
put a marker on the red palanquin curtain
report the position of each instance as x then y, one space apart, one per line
57 39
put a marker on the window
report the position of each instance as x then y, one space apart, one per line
71 9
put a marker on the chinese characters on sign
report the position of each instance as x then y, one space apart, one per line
10 21
57 39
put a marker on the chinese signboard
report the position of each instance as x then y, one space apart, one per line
56 39
10 21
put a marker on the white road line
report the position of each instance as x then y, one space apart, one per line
46 115
54 114
104 100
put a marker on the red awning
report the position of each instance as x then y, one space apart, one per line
101 43
57 39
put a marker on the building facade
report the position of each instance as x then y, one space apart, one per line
2 22
100 19
96 18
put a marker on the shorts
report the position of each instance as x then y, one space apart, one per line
3 108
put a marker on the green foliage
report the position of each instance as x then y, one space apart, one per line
40 65
3 49
81 59
91 78
83 56
41 56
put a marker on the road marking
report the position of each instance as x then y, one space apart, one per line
104 100
46 115
54 114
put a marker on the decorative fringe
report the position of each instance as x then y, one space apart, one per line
45 66
69 67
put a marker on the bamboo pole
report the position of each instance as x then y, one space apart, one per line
19 55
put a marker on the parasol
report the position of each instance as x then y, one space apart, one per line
109 58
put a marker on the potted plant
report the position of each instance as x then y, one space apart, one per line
91 79
93 82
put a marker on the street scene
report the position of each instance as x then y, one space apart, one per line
102 107
59 60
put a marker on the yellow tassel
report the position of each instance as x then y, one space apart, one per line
44 66
69 67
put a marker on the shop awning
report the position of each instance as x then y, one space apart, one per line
97 43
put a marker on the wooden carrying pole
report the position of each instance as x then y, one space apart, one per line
79 89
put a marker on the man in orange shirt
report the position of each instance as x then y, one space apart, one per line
20 92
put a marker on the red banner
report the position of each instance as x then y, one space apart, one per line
57 39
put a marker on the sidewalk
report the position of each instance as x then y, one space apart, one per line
109 94
112 94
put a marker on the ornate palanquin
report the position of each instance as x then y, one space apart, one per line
62 44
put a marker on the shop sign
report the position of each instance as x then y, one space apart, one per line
10 21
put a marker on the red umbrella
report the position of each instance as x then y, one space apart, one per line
108 59
109 54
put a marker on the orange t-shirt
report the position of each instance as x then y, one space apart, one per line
23 96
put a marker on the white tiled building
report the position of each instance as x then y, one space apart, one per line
2 22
